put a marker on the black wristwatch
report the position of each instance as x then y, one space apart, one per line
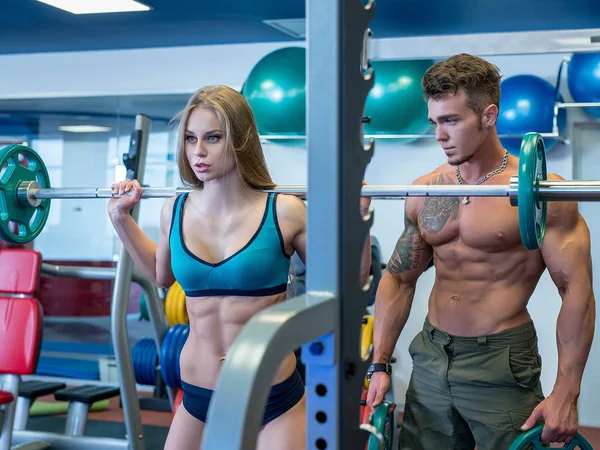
378 367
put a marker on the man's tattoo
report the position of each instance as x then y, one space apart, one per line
437 211
410 249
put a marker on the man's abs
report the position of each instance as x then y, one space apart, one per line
479 293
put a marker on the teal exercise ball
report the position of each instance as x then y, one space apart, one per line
395 104
527 105
583 79
276 92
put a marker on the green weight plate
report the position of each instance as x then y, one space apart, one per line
144 314
532 210
531 438
383 422
21 224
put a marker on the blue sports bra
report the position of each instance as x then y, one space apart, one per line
259 268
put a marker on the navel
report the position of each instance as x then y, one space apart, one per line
455 298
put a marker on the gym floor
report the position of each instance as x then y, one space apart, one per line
156 424
110 422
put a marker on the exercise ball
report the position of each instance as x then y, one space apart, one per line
395 104
583 79
527 105
276 92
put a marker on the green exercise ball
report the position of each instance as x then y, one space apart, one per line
395 103
276 92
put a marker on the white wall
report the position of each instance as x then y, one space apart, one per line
128 72
163 71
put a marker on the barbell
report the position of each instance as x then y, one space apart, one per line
25 192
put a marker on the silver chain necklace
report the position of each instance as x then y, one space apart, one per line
482 179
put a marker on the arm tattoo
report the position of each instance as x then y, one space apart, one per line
410 249
437 211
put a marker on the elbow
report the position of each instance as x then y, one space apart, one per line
164 281
162 284
391 287
405 281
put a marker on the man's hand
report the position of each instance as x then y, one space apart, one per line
560 418
378 387
365 202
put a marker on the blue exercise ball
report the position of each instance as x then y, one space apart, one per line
527 105
583 79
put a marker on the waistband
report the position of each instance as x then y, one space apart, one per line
295 379
516 335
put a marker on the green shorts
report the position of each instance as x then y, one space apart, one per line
467 391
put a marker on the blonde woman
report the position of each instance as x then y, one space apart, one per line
228 244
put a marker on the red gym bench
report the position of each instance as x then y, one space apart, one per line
20 329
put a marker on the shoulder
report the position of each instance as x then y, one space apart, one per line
166 212
561 214
290 207
169 204
442 175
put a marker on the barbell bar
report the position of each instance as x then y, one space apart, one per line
25 192
30 192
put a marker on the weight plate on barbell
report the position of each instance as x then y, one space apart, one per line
20 224
531 439
531 209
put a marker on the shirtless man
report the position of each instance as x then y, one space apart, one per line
476 366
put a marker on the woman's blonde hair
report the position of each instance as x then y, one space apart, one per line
241 135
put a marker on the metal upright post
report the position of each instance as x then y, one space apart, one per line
8 383
135 162
337 92
338 85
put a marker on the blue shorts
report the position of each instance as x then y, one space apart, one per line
283 397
